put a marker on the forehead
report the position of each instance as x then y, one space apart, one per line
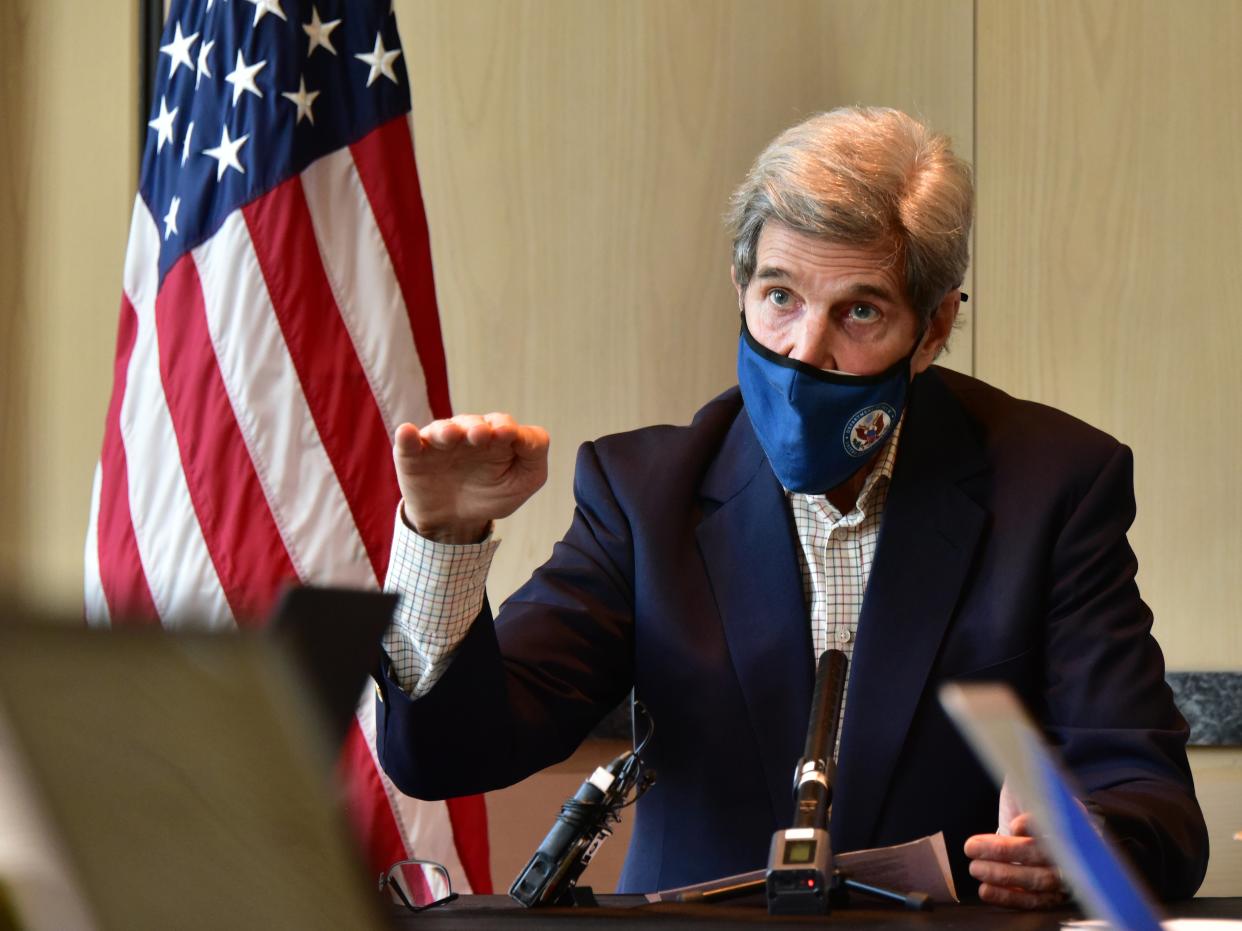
813 262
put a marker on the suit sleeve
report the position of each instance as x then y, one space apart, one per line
1109 706
522 693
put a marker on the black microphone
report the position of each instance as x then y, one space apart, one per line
552 873
818 767
799 875
551 876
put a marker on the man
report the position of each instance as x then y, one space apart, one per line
848 493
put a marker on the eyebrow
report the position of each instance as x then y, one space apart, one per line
866 289
771 271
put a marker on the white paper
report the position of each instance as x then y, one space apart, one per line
918 866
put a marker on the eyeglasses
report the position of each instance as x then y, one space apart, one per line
409 879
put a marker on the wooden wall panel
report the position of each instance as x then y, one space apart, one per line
1218 784
1108 272
67 176
576 159
15 158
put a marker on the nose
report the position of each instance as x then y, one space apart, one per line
812 344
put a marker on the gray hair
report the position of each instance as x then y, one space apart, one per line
864 176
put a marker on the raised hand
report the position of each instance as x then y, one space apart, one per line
458 475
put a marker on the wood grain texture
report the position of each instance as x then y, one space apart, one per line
66 193
1110 227
15 161
576 159
1218 784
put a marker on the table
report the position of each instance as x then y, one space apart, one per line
630 911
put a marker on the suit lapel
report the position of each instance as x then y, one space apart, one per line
927 542
748 547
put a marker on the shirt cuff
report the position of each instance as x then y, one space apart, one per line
441 588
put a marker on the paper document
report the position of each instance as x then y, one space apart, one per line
918 866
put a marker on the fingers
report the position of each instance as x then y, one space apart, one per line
407 443
1021 850
1019 898
468 429
1014 871
1015 876
474 430
531 443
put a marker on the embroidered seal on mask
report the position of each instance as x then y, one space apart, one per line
867 427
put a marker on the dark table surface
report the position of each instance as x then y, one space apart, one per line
619 911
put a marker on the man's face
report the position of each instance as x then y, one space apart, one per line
836 307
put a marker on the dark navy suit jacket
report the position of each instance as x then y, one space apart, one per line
1002 556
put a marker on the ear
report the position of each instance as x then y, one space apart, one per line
939 328
736 287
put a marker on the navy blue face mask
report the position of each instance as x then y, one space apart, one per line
818 428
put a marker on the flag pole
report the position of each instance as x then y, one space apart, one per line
150 27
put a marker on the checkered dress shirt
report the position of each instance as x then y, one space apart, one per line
836 553
441 588
442 585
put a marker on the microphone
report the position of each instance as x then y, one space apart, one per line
551 876
583 824
799 876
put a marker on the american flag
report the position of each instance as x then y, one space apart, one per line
278 321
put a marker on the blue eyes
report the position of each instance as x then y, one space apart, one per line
782 299
862 313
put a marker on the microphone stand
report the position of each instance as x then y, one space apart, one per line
801 879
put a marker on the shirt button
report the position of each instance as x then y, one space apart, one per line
845 635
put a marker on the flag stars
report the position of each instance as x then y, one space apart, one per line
170 218
263 7
304 100
163 124
204 69
225 153
178 51
380 59
185 146
319 32
242 78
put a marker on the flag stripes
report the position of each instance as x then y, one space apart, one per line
332 380
371 809
275 420
364 287
278 322
174 557
468 817
95 601
193 407
229 503
397 203
431 822
123 584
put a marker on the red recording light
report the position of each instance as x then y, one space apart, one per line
810 884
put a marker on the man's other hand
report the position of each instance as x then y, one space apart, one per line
458 475
1013 870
